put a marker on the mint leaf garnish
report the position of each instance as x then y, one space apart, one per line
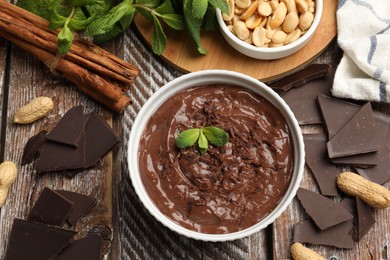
203 144
187 138
212 134
215 135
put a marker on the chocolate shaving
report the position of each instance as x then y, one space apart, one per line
324 212
51 208
31 240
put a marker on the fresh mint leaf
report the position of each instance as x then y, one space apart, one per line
159 39
42 8
220 4
59 16
106 23
174 21
65 38
78 3
210 20
187 138
149 3
118 28
165 8
79 21
193 25
99 8
199 8
202 143
215 135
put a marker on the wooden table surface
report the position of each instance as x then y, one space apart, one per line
135 233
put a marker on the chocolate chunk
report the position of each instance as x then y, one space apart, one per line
36 241
88 248
324 171
81 205
33 147
324 212
379 173
70 129
51 208
365 219
363 160
303 100
336 113
99 139
338 236
299 78
58 157
356 137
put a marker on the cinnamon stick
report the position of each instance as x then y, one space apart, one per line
41 38
91 84
96 72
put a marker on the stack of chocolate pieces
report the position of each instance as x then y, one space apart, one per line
76 143
41 235
354 136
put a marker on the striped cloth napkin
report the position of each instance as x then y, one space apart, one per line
364 36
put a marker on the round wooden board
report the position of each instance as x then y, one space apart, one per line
181 51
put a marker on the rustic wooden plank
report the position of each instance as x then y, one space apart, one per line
3 59
28 79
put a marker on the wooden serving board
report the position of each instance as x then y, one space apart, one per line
182 54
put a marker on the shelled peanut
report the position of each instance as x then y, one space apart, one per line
269 23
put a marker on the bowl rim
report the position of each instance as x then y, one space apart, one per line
290 46
198 79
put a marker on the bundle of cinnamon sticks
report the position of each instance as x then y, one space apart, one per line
96 72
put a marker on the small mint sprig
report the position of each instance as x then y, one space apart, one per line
212 134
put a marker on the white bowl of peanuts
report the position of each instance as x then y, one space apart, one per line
270 29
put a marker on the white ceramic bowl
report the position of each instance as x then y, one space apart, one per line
205 78
265 53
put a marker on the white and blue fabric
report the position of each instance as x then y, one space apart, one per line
364 36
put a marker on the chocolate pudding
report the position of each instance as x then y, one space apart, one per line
228 188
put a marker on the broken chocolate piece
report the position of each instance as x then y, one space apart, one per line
299 78
324 212
379 173
36 241
58 157
70 129
356 136
51 208
338 236
81 205
99 139
33 147
365 219
336 113
324 171
88 248
303 100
